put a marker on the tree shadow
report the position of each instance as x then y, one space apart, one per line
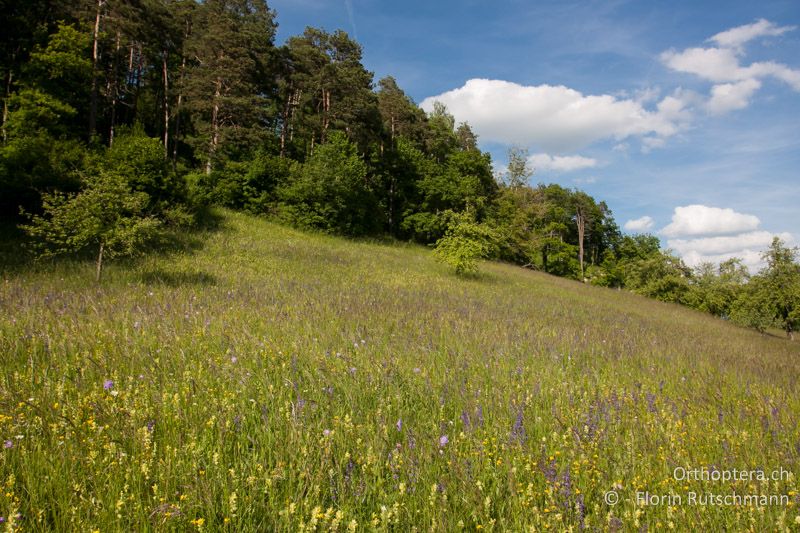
17 257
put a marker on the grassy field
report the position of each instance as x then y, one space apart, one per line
268 379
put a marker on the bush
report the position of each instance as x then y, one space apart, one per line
465 242
331 191
141 161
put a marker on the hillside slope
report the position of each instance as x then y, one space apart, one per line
272 379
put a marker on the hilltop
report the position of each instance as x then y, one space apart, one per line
267 378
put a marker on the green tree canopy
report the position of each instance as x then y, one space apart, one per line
105 215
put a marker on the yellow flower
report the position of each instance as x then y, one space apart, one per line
198 522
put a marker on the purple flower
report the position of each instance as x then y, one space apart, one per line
108 384
234 359
399 424
8 444
443 440
326 432
2 519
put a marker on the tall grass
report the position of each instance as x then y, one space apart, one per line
276 380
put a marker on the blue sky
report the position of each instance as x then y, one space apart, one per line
683 116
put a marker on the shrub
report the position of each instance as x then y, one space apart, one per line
465 242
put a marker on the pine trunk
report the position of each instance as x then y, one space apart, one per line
95 40
212 147
285 122
178 117
9 76
581 222
165 73
100 262
114 90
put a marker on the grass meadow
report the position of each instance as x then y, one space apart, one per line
267 379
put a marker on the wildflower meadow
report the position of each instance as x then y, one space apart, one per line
266 379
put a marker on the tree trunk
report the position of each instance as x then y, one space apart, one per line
100 262
114 91
9 76
326 109
166 102
139 74
95 40
391 204
580 220
212 146
178 117
287 131
285 122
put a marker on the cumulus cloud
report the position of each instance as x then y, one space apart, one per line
639 225
699 234
736 37
747 246
556 118
701 220
729 96
559 163
735 83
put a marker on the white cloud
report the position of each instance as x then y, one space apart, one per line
648 143
621 147
560 163
556 118
729 96
639 225
747 246
722 65
701 220
735 83
699 234
736 37
714 64
724 244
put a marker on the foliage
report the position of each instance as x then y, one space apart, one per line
715 291
772 297
331 191
661 276
465 242
141 161
198 107
106 214
754 308
519 170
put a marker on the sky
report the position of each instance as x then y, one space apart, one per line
683 116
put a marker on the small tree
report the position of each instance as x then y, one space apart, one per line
106 214
772 298
782 284
519 171
754 307
464 242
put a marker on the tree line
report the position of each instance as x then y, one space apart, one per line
121 117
